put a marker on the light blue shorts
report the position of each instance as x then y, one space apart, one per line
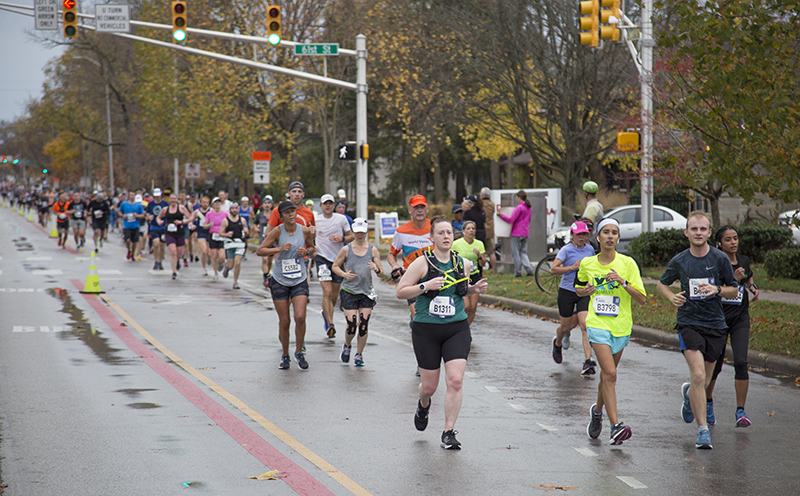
602 336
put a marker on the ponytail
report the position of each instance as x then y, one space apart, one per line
523 196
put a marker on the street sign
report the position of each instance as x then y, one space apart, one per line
46 15
317 49
110 18
192 170
261 164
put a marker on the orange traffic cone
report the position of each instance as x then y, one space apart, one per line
92 285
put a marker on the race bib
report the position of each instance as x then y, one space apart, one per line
62 216
695 293
606 305
78 215
98 214
737 300
292 268
442 307
235 243
216 237
324 273
373 295
172 228
239 252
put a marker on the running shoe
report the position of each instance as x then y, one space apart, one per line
178 265
285 361
595 426
619 433
686 409
331 331
174 275
216 277
345 353
421 416
703 439
236 285
205 272
185 263
359 360
710 419
449 440
588 368
565 341
160 266
129 256
556 351
225 272
155 266
301 360
741 418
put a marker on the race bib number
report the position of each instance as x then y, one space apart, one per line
292 269
239 252
695 293
172 228
130 218
78 215
606 305
62 216
98 214
216 237
442 307
735 301
324 273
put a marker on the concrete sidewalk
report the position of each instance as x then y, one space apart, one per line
775 363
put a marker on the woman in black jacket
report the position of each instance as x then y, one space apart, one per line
473 210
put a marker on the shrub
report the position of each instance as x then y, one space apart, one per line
783 263
655 249
756 241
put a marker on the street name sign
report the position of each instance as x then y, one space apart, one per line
46 15
317 49
112 18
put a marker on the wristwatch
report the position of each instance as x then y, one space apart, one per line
624 284
422 287
719 289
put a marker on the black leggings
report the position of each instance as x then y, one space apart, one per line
739 333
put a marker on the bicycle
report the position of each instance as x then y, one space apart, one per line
546 281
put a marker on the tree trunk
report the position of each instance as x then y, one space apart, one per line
509 182
494 174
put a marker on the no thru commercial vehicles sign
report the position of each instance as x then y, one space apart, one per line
112 18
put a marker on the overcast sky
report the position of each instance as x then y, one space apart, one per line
22 61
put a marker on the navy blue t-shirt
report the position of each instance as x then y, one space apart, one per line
153 209
714 268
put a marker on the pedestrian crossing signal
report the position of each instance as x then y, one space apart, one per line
347 152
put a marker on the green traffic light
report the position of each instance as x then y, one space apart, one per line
274 39
44 171
179 35
16 161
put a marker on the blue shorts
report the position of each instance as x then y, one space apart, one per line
602 336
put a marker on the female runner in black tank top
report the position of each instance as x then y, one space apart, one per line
173 217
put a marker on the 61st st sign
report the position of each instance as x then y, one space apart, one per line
317 49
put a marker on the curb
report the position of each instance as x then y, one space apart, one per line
769 361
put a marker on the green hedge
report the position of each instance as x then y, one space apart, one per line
657 248
783 263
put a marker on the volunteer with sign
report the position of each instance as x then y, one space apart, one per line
612 280
439 280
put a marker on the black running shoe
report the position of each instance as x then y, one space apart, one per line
556 351
345 356
588 368
421 416
619 433
595 426
449 440
285 361
301 360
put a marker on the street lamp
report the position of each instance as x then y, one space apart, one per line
108 125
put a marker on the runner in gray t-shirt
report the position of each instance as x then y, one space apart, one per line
705 275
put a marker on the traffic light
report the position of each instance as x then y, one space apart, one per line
179 21
590 25
5 159
627 141
274 25
609 8
15 161
44 171
70 18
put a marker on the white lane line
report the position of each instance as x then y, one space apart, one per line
108 272
492 389
471 375
585 451
1 272
548 428
631 481
21 290
518 407
38 259
48 272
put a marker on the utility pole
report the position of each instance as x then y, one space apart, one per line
647 43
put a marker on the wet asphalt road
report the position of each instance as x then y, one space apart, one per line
186 397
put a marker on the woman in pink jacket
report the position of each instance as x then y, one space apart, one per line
520 221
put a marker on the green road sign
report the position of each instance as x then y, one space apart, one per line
317 49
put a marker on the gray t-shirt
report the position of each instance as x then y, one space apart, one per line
714 268
289 268
362 284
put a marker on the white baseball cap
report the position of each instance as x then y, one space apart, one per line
327 197
360 225
138 198
157 192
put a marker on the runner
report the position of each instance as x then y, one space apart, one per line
410 241
438 282
63 209
80 208
737 316
213 221
202 233
233 228
458 221
262 222
45 206
572 308
706 276
99 212
172 219
191 230
295 195
131 212
246 212
358 296
612 280
333 231
157 231
473 250
289 279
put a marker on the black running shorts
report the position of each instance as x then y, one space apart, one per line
569 303
710 342
434 342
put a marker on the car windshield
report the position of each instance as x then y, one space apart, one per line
626 216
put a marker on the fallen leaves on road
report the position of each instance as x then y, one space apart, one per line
271 475
555 486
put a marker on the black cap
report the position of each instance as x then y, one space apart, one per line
296 184
457 208
472 198
285 205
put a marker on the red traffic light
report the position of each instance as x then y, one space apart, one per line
179 8
68 4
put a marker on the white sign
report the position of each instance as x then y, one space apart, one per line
112 18
192 171
261 171
46 15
